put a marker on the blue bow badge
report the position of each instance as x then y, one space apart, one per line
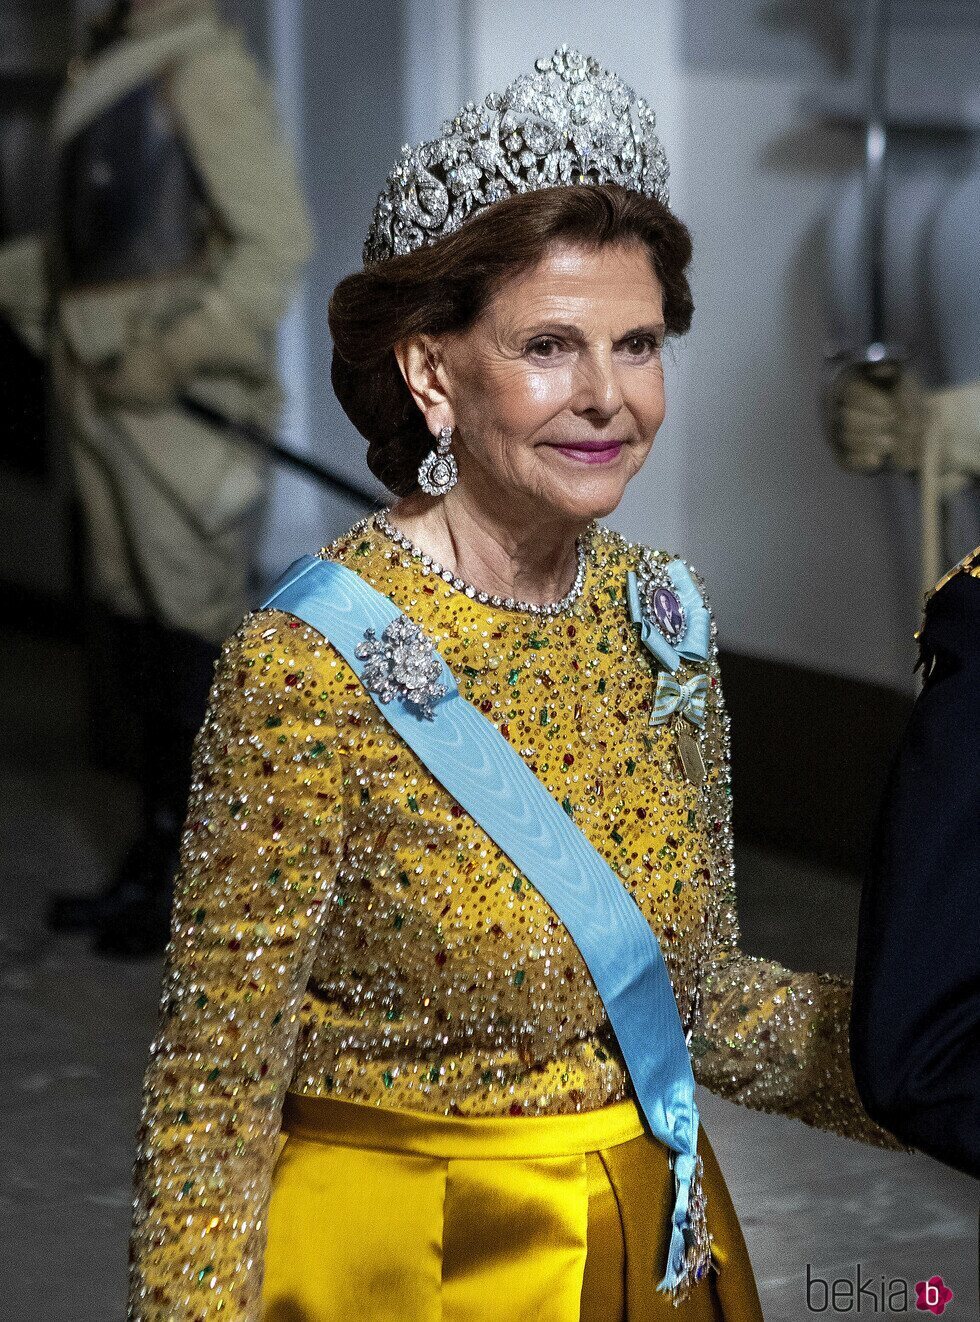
674 621
675 699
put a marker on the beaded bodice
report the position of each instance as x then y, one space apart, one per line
342 927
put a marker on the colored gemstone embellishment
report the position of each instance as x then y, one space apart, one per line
660 602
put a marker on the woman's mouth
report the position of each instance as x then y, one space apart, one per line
591 452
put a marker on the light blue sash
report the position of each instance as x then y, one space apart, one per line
472 759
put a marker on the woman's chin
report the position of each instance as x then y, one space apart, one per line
587 500
588 490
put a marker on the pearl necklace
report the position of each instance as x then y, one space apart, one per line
488 598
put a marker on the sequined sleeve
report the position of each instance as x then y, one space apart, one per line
766 1036
257 863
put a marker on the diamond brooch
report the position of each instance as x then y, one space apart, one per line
402 663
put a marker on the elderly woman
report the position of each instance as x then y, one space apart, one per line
455 913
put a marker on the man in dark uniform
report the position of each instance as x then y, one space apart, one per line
915 1029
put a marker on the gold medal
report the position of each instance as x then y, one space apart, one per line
691 759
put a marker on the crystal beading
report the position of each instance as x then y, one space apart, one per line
570 122
510 603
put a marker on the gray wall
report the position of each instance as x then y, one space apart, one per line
338 73
805 563
809 564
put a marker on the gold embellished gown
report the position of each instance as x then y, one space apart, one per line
383 1085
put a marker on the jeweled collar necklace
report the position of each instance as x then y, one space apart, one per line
382 523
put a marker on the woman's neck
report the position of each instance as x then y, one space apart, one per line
529 561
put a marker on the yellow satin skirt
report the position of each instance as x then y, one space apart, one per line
381 1215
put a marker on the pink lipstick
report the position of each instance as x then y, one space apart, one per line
591 452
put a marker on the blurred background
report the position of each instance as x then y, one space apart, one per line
811 145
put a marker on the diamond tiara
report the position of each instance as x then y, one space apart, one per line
570 122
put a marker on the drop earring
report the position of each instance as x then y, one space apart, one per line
438 471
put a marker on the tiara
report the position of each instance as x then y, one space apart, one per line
570 122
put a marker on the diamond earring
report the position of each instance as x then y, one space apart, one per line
438 471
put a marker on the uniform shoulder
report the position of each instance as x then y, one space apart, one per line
970 565
216 66
949 616
204 33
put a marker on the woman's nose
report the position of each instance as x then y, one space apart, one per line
598 385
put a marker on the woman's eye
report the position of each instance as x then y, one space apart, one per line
544 347
638 346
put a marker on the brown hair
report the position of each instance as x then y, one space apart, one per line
444 287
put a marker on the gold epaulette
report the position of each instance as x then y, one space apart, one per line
970 564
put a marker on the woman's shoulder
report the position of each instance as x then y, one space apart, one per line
273 647
354 542
268 629
615 554
615 550
278 671
268 638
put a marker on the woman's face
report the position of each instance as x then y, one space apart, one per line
557 391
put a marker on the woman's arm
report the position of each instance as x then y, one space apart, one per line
258 861
768 1037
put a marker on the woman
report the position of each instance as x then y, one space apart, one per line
386 1084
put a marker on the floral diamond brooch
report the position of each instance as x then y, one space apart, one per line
402 663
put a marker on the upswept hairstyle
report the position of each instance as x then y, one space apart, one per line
444 288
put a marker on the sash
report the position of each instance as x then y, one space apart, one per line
492 782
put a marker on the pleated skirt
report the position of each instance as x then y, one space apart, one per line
382 1215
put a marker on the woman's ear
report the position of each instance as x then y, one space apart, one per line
420 364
